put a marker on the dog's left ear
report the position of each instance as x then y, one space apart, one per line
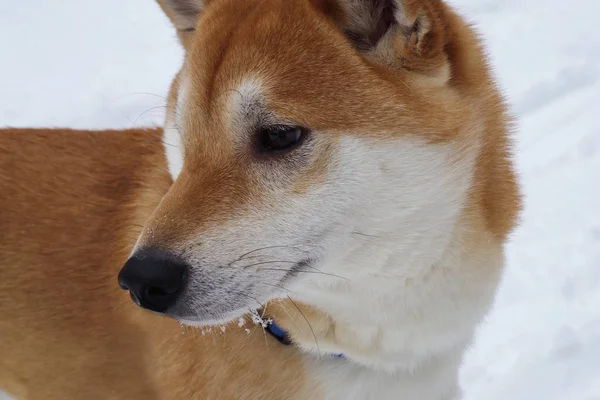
183 14
408 34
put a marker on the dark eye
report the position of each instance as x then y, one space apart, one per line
279 137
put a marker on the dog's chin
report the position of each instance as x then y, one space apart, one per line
222 319
220 314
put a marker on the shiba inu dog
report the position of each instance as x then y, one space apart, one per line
341 166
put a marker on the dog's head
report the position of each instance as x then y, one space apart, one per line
309 140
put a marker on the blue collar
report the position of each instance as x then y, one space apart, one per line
282 336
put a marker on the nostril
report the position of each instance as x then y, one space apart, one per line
154 279
122 280
135 299
153 292
159 298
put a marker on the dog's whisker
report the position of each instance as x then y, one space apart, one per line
245 341
267 248
364 234
309 325
304 272
269 262
275 286
264 333
147 111
141 94
231 90
252 298
290 316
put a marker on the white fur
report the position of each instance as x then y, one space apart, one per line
412 297
241 106
173 149
172 136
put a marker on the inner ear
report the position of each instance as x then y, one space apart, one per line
406 34
365 22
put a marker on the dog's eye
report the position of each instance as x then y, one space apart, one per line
278 138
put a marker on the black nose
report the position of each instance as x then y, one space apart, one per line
154 279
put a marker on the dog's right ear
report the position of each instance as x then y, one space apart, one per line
183 14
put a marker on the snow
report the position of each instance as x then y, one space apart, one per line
542 339
108 64
85 64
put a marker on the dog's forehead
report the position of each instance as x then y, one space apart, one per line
238 34
285 52
290 59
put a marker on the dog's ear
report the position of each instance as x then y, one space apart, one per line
183 13
408 34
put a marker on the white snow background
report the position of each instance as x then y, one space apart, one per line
108 64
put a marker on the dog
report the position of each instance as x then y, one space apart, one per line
323 217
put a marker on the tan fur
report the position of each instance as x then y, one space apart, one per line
73 203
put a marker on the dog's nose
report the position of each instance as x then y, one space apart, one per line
154 279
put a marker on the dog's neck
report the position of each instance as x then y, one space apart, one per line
400 325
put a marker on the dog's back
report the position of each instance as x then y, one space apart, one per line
65 221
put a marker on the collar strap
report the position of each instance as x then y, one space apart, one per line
278 333
282 336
